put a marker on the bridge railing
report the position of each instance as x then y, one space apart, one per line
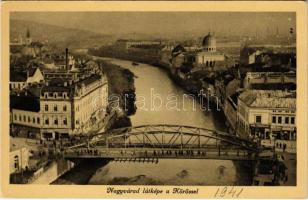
236 154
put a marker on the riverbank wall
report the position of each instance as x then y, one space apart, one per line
81 173
52 171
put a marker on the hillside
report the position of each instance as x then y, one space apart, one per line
60 36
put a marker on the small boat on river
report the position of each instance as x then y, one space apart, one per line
135 63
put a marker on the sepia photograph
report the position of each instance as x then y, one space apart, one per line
134 98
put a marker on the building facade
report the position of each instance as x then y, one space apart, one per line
127 44
267 115
62 106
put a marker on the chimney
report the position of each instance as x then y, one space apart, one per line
66 59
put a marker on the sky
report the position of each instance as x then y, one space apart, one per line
167 23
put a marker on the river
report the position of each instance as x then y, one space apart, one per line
153 86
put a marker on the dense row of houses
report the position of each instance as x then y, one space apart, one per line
255 90
258 104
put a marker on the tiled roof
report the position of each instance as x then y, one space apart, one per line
269 98
57 84
90 79
58 81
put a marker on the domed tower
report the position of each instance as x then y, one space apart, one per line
209 43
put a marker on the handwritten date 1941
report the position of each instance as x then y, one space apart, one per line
228 192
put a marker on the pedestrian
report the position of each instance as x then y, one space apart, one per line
284 147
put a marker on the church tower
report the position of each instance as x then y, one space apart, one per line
28 38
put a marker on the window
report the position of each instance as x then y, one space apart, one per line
55 95
25 118
56 121
16 162
64 108
55 108
20 118
29 120
292 120
47 121
15 117
286 120
38 120
65 121
279 120
33 120
258 119
46 107
77 121
274 119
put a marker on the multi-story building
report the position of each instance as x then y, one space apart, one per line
267 115
127 44
62 106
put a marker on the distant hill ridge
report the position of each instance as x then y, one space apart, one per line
60 36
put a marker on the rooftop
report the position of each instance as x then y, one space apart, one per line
269 98
89 80
57 84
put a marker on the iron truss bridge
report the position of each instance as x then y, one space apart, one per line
148 142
